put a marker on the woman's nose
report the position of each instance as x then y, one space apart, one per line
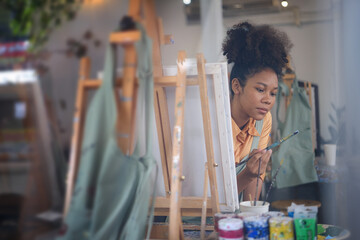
267 99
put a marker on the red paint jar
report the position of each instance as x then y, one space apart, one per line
219 216
231 228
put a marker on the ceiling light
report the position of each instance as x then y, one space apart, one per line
284 3
187 2
238 6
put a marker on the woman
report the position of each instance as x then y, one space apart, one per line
259 55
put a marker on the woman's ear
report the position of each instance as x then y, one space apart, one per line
235 86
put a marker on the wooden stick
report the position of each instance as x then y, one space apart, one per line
250 198
204 207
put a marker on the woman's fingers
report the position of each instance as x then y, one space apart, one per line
258 155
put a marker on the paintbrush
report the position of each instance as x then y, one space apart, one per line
273 181
275 144
250 198
257 182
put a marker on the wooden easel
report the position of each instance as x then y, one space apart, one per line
173 204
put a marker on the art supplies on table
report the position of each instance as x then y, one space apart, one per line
291 208
248 206
219 216
281 228
256 228
305 222
231 228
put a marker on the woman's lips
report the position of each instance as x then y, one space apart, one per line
262 110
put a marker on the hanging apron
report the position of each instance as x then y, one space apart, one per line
298 167
111 199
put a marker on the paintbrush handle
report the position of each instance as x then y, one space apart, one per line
257 182
281 140
272 183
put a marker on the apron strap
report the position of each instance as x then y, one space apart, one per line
254 145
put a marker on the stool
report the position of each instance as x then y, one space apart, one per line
282 205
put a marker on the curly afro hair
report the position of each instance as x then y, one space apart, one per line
254 48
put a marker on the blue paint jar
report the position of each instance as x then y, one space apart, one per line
256 228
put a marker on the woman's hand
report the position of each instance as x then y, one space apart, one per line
256 155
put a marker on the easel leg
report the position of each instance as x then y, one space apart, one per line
204 207
164 136
177 153
78 126
207 132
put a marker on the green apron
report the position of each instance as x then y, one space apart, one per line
111 199
298 167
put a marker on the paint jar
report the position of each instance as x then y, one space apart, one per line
272 214
256 228
281 228
231 228
219 216
243 215
247 206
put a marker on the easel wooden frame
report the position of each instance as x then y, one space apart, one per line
173 204
190 206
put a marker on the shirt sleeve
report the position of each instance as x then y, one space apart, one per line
266 130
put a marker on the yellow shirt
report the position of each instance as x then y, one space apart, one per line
242 139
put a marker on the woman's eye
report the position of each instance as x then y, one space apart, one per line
273 94
260 90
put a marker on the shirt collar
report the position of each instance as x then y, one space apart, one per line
240 135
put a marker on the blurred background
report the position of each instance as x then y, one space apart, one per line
43 41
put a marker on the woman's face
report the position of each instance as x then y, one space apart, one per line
257 98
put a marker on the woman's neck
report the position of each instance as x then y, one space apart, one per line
240 120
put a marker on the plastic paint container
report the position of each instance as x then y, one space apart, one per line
219 216
231 228
256 228
281 228
247 206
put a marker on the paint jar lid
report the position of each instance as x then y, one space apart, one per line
225 215
256 221
243 215
230 224
272 214
284 220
